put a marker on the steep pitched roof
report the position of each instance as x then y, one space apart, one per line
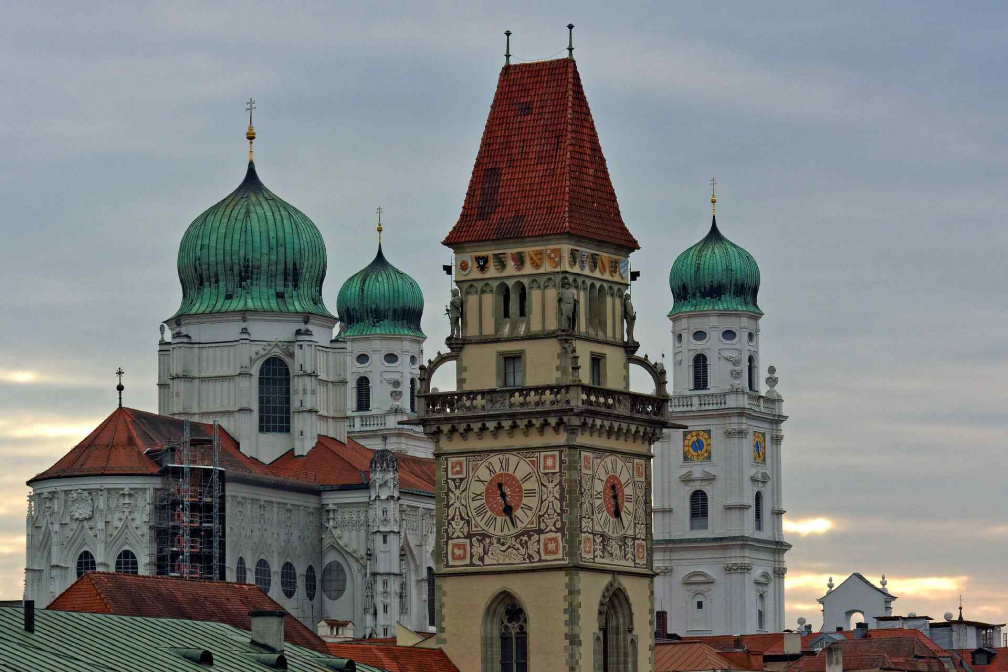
168 597
394 658
691 657
118 447
540 169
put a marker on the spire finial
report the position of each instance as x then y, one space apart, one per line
713 198
378 210
507 47
250 133
119 388
570 41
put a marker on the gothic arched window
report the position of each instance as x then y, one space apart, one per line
263 575
618 649
430 596
758 511
85 563
274 397
334 580
505 635
522 300
412 395
700 377
698 510
363 389
752 373
310 583
126 563
288 580
760 612
240 576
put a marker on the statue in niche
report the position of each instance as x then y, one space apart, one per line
565 299
629 316
454 312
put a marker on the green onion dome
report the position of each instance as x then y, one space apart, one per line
252 251
714 274
380 300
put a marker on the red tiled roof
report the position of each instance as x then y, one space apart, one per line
693 656
890 649
333 463
771 643
117 447
394 658
168 597
998 664
540 169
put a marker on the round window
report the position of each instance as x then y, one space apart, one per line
752 337
362 359
288 580
412 360
678 339
729 335
334 580
391 358
699 335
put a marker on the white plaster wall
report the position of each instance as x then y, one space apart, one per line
720 352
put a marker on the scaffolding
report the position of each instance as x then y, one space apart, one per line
189 513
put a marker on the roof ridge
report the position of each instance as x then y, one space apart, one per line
98 590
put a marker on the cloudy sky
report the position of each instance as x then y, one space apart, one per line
860 152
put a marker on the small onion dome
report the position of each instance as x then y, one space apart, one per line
252 251
714 274
380 300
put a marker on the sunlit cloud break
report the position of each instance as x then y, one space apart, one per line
807 526
20 377
926 585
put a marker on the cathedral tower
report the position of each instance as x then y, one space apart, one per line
543 455
719 543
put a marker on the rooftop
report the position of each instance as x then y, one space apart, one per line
393 658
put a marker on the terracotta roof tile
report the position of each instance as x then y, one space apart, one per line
168 597
689 656
394 658
540 169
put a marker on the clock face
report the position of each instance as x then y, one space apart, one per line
614 498
503 495
759 447
696 446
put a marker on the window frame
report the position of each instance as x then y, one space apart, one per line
288 579
600 359
86 563
310 583
758 511
699 511
502 362
701 376
121 566
241 572
274 402
264 571
358 392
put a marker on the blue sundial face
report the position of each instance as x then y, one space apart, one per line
697 446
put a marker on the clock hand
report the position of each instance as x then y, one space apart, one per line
615 501
508 509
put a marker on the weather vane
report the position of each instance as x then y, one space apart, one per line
119 388
250 134
378 210
713 198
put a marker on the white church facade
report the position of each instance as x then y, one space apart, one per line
324 502
718 529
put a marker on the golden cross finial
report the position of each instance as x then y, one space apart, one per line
119 388
250 134
713 198
378 210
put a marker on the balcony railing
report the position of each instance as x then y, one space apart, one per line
564 398
371 421
720 400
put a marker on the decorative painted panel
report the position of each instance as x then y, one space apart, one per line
614 492
504 509
697 445
759 447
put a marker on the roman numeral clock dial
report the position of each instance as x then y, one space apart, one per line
614 500
503 495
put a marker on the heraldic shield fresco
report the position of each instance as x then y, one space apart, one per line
504 509
614 512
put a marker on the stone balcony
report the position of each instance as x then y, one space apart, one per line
717 401
376 421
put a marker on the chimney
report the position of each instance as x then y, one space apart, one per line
792 643
29 615
834 657
268 628
861 630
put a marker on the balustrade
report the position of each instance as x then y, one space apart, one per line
546 397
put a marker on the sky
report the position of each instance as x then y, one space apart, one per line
860 154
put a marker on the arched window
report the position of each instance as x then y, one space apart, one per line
412 395
502 309
618 646
698 510
263 575
592 310
240 576
334 580
404 586
363 388
760 611
274 397
601 320
85 563
430 596
310 583
700 379
288 580
758 510
522 300
505 635
126 563
752 373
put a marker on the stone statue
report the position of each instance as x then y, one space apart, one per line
629 316
454 312
565 298
161 329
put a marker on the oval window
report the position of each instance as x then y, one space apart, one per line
729 335
752 337
678 339
412 360
391 358
699 335
362 359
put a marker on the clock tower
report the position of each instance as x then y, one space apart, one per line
544 554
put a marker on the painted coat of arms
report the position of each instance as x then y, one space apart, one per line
481 262
535 258
603 264
499 261
613 265
593 262
624 268
517 260
583 260
554 256
464 264
573 258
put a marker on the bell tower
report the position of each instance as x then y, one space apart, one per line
543 455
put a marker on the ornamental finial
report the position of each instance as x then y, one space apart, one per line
119 388
507 47
378 210
713 198
570 41
250 133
